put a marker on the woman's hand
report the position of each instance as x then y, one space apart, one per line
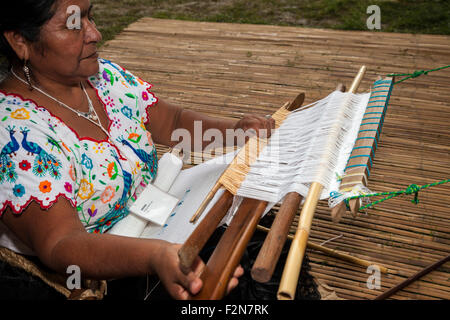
179 285
260 126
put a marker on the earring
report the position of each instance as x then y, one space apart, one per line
27 72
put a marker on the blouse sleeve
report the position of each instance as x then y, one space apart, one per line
140 89
34 162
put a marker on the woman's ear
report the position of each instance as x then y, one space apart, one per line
19 44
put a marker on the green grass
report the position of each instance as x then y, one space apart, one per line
429 17
416 16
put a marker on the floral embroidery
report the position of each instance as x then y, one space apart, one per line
92 211
142 123
127 112
109 101
21 114
68 187
107 194
24 165
86 189
86 161
98 147
72 173
14 102
112 170
108 76
134 137
45 186
19 190
116 122
130 79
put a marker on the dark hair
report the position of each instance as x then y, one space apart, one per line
26 17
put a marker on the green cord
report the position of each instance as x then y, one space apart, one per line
413 188
415 74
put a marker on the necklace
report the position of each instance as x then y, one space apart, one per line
91 115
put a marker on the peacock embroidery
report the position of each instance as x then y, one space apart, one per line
7 166
149 159
43 162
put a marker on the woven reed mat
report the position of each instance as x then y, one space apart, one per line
227 69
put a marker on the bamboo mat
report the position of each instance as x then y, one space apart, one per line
229 69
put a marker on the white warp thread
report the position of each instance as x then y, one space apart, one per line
300 151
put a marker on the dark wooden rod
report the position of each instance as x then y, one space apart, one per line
413 278
269 253
194 244
228 253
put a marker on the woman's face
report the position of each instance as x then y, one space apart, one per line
67 50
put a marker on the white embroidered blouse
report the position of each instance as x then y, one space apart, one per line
42 158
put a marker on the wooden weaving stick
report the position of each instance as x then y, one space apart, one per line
291 272
197 240
360 161
228 253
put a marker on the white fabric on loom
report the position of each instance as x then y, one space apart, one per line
312 145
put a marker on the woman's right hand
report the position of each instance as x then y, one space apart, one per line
179 285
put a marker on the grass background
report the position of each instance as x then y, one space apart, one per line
416 16
413 16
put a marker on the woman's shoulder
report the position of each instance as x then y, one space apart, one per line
114 74
113 80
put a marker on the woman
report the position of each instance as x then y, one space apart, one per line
76 147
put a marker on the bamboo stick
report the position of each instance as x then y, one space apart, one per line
288 283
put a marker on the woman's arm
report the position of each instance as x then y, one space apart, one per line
165 118
59 239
